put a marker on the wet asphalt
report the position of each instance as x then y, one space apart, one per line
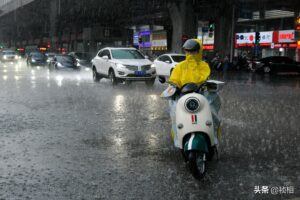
62 136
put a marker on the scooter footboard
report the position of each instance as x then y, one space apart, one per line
196 141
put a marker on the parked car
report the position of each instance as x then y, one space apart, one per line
36 59
9 56
123 64
64 62
83 59
165 63
276 64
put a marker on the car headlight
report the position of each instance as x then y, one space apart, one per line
33 60
16 57
192 104
152 66
4 57
59 65
120 66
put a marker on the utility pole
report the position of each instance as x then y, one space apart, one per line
59 7
232 33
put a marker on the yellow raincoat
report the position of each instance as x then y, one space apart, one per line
192 70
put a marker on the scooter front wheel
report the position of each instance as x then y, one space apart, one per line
197 163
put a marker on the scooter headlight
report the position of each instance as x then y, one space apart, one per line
192 105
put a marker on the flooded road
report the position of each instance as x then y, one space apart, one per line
63 136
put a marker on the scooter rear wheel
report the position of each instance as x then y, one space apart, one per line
197 163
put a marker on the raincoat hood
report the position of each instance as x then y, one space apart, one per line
198 57
192 70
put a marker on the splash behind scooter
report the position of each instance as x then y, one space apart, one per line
195 129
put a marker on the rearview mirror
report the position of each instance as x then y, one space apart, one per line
105 57
146 57
167 61
161 79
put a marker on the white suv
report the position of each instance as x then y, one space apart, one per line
122 64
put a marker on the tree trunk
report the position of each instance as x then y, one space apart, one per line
184 23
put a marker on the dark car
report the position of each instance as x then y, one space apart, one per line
83 59
64 62
36 59
9 56
276 64
50 56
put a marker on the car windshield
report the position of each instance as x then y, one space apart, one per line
64 59
126 54
9 53
178 58
38 54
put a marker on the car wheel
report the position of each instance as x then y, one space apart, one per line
112 78
96 76
197 163
267 69
150 83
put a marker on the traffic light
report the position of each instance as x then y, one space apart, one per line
211 26
257 37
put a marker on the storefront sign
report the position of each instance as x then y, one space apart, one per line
136 39
245 38
159 43
272 39
287 36
266 37
206 39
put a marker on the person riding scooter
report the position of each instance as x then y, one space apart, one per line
193 70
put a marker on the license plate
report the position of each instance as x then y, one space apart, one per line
139 73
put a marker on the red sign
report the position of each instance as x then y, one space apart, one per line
251 37
287 45
286 36
244 45
208 47
265 44
275 37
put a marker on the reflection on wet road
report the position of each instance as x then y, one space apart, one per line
65 137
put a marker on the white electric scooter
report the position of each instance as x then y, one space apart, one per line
194 123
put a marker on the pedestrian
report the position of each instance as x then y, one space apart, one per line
226 63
